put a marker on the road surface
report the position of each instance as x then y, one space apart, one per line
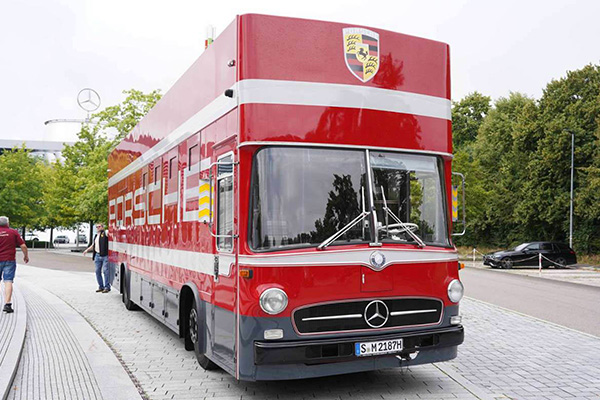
575 306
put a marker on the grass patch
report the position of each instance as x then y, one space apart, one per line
591 259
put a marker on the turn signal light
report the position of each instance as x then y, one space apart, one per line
273 334
461 265
246 273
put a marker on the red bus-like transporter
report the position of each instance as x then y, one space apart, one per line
285 207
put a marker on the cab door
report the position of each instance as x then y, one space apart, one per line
225 259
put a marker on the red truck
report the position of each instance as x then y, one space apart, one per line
285 208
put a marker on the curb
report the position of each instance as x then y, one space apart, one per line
112 378
16 342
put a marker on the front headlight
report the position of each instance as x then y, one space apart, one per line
273 301
455 291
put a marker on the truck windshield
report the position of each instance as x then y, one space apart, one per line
411 187
303 196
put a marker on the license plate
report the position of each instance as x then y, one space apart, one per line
375 348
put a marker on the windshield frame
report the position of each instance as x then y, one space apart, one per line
369 199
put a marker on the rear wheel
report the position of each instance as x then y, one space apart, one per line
192 338
507 263
126 293
562 261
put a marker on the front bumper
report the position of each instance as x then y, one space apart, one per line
311 352
489 260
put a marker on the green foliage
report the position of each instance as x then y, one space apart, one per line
518 164
21 182
467 116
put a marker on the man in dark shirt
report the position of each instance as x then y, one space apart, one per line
9 241
100 256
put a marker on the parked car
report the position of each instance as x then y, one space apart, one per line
32 236
61 239
82 238
528 254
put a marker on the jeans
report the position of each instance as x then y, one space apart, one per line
102 267
7 270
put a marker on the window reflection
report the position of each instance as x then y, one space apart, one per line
303 196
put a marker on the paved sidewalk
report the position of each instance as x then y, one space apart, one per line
505 355
63 357
12 338
525 358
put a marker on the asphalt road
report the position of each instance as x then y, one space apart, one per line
575 306
63 262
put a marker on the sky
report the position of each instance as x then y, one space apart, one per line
51 49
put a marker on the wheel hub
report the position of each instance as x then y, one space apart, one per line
193 326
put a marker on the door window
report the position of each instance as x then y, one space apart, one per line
225 203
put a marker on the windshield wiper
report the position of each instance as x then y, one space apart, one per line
345 229
402 224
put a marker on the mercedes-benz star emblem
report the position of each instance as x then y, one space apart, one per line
377 259
376 314
88 99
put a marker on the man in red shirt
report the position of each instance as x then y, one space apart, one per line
9 241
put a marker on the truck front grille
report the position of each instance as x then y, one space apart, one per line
354 316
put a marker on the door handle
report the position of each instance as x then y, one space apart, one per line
216 268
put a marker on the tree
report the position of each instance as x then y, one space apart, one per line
568 105
493 165
467 116
59 188
21 182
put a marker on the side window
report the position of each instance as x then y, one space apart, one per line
225 203
193 156
534 246
172 166
547 246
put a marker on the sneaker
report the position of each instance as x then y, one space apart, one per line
106 291
8 308
99 290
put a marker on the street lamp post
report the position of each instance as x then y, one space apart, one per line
571 205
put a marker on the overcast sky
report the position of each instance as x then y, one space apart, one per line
51 49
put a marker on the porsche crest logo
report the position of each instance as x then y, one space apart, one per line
361 50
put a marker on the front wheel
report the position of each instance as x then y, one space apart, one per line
192 338
507 263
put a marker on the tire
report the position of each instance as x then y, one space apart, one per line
191 337
507 263
562 261
125 293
